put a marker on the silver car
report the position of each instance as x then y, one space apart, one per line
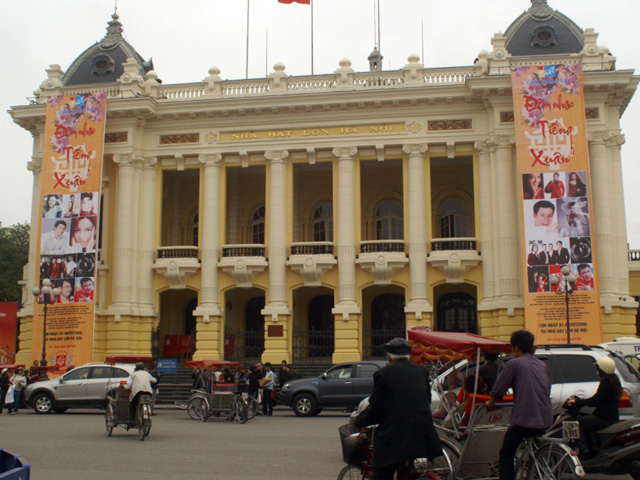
572 370
82 387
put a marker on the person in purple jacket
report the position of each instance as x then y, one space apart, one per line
531 415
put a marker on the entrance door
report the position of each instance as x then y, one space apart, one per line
254 329
457 312
387 322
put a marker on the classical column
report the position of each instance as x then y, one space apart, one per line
485 207
417 231
209 238
35 166
346 240
614 145
508 222
146 235
277 233
603 213
123 231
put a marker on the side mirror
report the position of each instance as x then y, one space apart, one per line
324 376
60 380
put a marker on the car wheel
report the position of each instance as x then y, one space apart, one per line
42 403
60 409
305 405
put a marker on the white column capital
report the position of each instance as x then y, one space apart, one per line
344 153
210 159
123 159
502 141
415 149
616 140
276 156
481 146
150 163
35 165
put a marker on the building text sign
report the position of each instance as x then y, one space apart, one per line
339 131
556 202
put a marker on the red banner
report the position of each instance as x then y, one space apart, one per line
556 204
305 2
71 179
8 331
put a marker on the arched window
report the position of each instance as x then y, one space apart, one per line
389 221
453 216
323 223
457 312
257 225
194 230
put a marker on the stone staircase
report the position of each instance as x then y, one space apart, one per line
176 387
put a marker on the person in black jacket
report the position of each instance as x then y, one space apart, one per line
5 382
254 379
399 404
489 371
605 402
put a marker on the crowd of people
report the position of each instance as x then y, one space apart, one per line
12 385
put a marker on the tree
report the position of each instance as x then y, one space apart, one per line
14 254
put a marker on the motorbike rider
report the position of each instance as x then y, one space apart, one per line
399 404
605 402
140 384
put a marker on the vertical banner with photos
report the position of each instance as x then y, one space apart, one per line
556 202
68 242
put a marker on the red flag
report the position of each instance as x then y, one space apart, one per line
305 2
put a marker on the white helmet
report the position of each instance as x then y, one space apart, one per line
607 365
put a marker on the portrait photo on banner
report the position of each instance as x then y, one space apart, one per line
55 236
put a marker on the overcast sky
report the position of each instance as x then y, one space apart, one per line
187 37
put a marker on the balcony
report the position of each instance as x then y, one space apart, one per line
243 262
454 256
634 260
382 258
177 264
311 260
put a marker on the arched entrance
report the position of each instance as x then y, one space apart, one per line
313 325
244 325
387 320
254 329
176 323
457 312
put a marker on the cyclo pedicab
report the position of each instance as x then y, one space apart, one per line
472 433
117 408
213 397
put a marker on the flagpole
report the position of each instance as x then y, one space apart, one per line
266 53
311 37
379 42
423 41
246 67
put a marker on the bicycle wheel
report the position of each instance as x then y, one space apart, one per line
426 476
252 407
551 462
147 419
350 472
193 407
204 409
140 422
109 420
242 411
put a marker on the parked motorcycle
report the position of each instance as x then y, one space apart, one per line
618 444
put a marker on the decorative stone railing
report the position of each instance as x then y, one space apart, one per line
243 250
178 252
378 246
243 262
312 248
634 255
458 243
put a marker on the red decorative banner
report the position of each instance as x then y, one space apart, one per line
68 243
8 330
556 202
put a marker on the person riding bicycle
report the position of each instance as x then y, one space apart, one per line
605 402
532 413
140 384
399 404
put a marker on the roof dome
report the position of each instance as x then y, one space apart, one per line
543 31
102 62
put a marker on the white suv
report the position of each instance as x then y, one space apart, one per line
572 370
82 387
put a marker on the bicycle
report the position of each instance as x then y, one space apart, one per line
217 404
252 405
358 454
544 458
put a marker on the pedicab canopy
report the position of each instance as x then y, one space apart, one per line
129 359
427 347
208 364
11 366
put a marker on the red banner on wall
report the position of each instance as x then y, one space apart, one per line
556 203
71 178
8 331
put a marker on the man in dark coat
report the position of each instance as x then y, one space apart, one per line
399 404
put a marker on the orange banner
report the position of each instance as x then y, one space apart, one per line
556 203
68 242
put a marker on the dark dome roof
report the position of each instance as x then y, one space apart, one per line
543 31
102 62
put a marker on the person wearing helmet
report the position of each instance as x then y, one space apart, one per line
605 402
399 404
140 384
